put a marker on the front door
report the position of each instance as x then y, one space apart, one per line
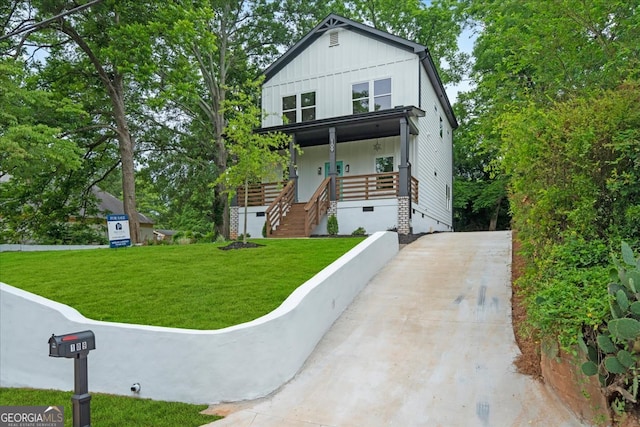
340 170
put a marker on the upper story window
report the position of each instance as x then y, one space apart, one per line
382 94
297 108
289 108
360 97
308 102
371 96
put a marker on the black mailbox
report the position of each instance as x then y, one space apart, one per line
72 345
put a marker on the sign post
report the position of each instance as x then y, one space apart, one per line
118 227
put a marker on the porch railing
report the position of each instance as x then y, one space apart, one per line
260 194
415 186
366 187
317 206
279 206
354 187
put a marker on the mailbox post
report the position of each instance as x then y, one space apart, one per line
76 346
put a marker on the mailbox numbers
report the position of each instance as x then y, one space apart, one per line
78 346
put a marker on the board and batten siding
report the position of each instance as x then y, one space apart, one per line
433 163
330 72
359 155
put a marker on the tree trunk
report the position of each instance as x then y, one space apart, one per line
493 222
114 85
221 162
246 209
126 148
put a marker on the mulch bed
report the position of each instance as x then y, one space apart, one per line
239 245
527 363
405 239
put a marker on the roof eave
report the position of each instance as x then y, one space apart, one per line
434 78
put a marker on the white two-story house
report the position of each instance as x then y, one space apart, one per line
375 126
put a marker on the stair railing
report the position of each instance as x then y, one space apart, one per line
317 206
280 206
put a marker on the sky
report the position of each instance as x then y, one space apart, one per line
465 44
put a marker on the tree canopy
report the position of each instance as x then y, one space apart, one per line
147 82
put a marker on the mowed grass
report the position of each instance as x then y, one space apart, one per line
113 411
191 286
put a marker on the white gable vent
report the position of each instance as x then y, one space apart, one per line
333 39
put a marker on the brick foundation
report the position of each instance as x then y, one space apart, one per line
404 226
333 208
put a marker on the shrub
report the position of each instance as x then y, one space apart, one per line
564 291
332 225
360 231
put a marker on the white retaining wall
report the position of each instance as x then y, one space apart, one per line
236 363
39 248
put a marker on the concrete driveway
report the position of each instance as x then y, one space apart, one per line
428 342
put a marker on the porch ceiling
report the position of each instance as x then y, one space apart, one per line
375 124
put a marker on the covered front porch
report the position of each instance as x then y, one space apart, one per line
357 164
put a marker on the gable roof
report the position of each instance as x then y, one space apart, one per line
336 21
110 204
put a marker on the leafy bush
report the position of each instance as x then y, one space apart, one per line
574 167
360 231
332 225
564 290
613 348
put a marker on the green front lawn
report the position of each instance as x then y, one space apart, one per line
191 286
113 411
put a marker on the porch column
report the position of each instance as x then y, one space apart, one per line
403 186
333 172
293 160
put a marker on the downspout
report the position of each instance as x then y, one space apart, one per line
452 178
420 84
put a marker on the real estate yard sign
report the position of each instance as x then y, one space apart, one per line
118 227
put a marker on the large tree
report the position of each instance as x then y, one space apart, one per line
93 49
208 47
556 101
36 159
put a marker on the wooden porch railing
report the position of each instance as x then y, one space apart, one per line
279 206
366 187
415 186
356 187
375 186
317 206
261 194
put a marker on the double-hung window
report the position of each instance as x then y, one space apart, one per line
308 103
289 109
299 108
360 97
382 94
371 96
